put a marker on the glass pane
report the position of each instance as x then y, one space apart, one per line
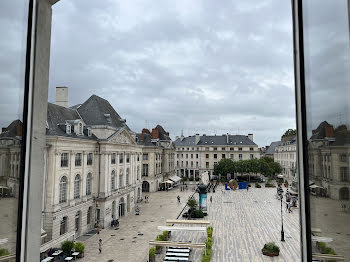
326 40
13 31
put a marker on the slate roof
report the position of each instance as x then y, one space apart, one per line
12 129
320 131
56 119
94 111
162 133
271 149
234 140
146 141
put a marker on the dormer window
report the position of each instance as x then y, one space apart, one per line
71 128
80 129
108 118
89 131
68 128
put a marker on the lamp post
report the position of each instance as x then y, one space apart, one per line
282 232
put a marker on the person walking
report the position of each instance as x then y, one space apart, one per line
178 199
211 199
100 245
247 188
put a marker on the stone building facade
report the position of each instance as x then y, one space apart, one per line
286 155
198 154
329 160
92 171
158 158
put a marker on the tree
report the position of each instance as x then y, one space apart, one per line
192 204
290 132
224 167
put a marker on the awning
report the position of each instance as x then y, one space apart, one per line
169 182
175 178
280 176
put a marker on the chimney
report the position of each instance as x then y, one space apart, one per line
62 96
143 132
329 131
227 138
250 136
176 137
3 130
196 139
155 133
19 130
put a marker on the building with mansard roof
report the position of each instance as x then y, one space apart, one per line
198 154
93 168
158 158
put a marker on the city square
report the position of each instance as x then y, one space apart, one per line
243 222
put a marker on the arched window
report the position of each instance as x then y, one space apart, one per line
77 187
127 176
88 184
113 180
63 190
121 178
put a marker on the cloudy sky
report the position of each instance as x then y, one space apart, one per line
199 66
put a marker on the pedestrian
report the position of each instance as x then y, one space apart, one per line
290 208
247 188
178 199
100 245
211 199
186 187
98 229
287 206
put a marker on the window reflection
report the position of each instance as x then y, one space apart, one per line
326 40
13 28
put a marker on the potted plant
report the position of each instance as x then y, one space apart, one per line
79 247
152 254
67 247
271 249
4 252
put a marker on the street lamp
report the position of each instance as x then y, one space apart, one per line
280 193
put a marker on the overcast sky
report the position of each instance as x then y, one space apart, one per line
201 66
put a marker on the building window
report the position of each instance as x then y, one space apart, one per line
197 155
182 163
127 176
196 164
344 174
113 180
206 164
207 149
138 173
80 128
127 158
223 149
88 184
138 157
251 156
145 157
145 170
113 159
343 158
206 155
240 156
239 149
78 159
177 163
77 187
68 129
215 163
64 160
191 155
121 159
231 156
63 225
89 214
232 149
89 159
223 156
120 178
215 155
186 163
63 190
186 155
215 149
191 163
251 149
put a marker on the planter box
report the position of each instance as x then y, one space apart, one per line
270 254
